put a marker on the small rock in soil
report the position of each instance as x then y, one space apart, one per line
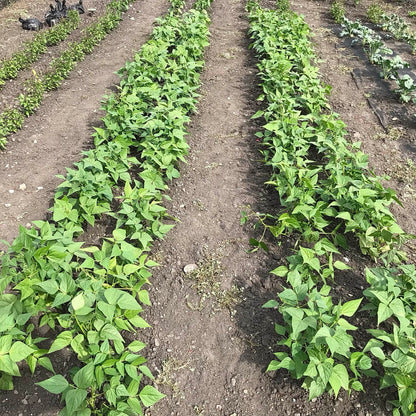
190 268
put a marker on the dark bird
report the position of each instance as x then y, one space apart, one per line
78 7
55 14
51 17
31 24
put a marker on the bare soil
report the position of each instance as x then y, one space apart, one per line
210 340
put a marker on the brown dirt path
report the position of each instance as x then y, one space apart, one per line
53 138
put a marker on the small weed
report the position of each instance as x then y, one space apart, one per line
405 172
199 204
199 410
344 69
167 376
393 133
374 13
337 10
283 5
207 280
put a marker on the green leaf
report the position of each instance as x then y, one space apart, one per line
49 286
119 234
339 378
108 331
271 304
407 397
127 301
149 396
45 362
145 370
383 313
135 405
74 399
144 297
378 353
341 266
56 384
6 382
136 346
78 301
325 371
349 308
19 351
84 377
357 386
5 344
61 341
281 330
280 271
121 391
8 366
107 309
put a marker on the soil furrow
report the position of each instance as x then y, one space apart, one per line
201 341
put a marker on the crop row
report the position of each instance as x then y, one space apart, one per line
393 24
326 192
377 51
11 120
89 295
9 68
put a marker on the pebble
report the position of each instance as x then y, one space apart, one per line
11 191
190 268
233 381
22 186
7 205
157 342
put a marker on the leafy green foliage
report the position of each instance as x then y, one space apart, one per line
337 10
322 180
325 191
374 13
392 298
89 295
380 55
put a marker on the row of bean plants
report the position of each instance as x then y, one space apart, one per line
92 296
11 120
22 59
327 191
379 54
